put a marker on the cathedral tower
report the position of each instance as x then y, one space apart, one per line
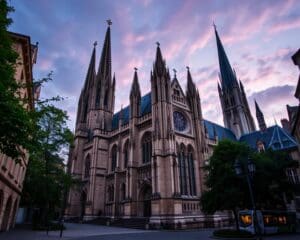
236 112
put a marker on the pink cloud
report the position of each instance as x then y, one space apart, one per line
283 26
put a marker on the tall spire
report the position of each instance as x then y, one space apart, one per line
135 87
89 80
104 70
228 78
159 65
260 118
191 88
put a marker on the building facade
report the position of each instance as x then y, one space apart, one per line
12 172
146 161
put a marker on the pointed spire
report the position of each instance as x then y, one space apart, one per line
104 70
228 77
159 65
260 118
135 87
191 88
91 71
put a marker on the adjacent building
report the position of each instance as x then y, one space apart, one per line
12 172
146 161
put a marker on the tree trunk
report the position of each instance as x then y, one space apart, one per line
235 213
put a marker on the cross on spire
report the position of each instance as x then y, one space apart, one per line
158 44
214 25
135 68
109 22
188 68
95 43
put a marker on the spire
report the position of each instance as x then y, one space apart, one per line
159 65
89 80
228 78
104 70
191 88
260 118
135 87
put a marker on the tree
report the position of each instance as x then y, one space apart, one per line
46 178
227 191
15 122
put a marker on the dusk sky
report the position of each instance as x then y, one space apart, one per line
259 38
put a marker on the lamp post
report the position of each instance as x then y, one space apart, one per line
247 169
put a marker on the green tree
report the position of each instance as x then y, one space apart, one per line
227 191
15 122
46 178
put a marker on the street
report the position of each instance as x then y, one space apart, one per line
93 232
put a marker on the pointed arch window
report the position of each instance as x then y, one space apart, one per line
114 155
126 154
87 167
146 148
191 170
123 191
182 170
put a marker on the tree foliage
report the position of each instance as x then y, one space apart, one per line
15 122
47 179
227 191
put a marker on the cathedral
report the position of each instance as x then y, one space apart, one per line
146 161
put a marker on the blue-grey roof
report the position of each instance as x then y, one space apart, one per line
221 132
273 137
145 109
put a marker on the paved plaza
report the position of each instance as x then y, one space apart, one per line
96 232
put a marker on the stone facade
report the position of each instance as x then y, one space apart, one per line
146 161
12 172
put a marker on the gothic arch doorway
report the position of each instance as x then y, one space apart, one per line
145 200
6 214
83 198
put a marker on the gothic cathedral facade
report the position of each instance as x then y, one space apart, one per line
146 161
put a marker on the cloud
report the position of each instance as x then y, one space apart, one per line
272 102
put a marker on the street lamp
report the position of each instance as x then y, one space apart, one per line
247 169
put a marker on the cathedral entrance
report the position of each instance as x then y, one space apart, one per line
82 204
145 201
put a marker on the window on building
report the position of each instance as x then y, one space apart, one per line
191 169
126 154
182 171
123 191
293 175
114 155
87 166
146 148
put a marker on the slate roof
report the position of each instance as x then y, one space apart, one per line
145 109
221 132
273 137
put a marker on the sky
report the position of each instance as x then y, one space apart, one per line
259 38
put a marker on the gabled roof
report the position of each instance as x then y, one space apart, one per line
273 137
221 132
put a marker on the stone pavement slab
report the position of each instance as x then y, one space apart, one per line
97 232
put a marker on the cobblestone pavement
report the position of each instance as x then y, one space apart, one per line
95 232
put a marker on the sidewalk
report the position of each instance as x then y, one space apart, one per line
73 230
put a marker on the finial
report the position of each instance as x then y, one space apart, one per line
37 43
135 69
188 68
95 43
215 27
109 22
158 44
174 70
